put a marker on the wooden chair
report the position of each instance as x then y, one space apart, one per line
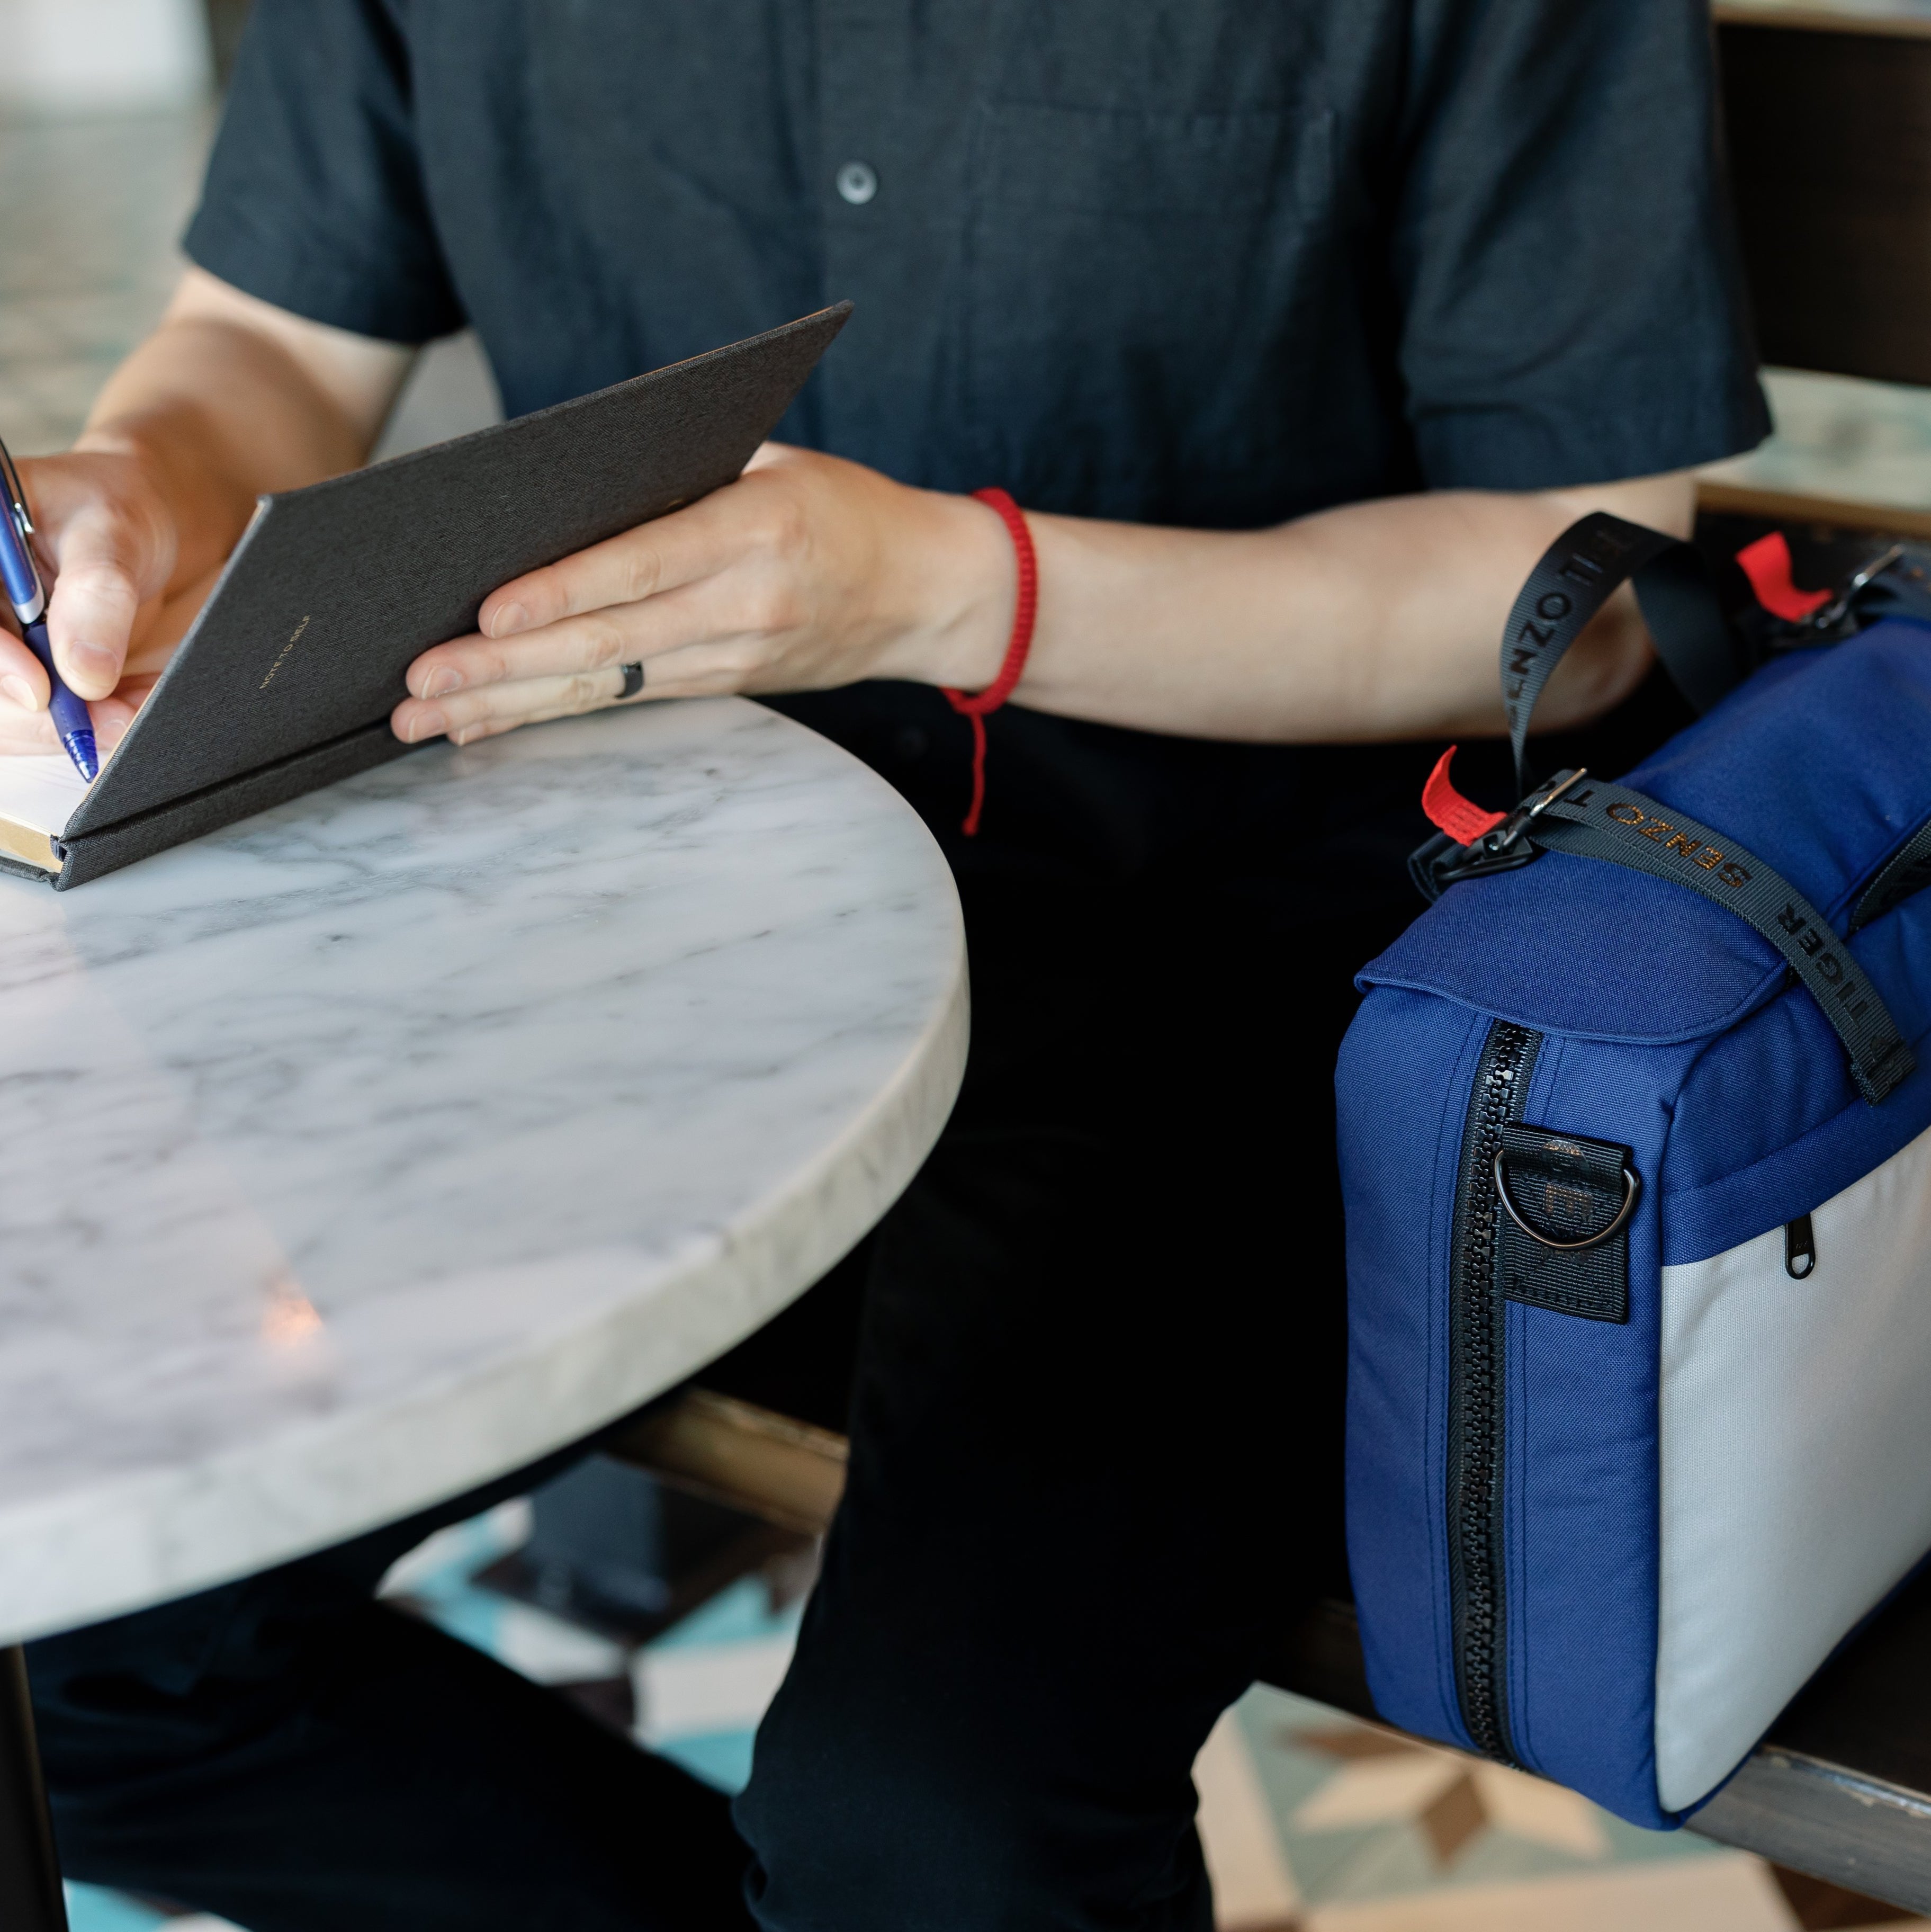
749 1458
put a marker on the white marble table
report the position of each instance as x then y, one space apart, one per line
376 1146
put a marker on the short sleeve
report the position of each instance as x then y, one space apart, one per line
1573 309
314 198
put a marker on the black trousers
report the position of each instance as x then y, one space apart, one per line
1097 1439
292 1755
1095 1470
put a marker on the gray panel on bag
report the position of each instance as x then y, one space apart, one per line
1793 1436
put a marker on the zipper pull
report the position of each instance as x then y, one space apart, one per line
1800 1248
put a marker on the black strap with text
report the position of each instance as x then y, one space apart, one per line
1599 821
1578 573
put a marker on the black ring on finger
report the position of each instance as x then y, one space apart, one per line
633 681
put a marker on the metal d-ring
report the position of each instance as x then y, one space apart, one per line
1633 1186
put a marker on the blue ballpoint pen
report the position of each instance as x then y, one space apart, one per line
29 600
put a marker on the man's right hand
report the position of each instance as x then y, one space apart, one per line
107 547
228 398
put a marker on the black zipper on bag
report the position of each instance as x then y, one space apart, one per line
1477 1393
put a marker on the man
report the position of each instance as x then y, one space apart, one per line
1298 329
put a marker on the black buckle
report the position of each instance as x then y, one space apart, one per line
1824 624
1441 862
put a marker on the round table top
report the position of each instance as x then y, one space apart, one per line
375 1147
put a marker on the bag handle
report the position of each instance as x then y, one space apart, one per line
1907 871
1599 820
1576 577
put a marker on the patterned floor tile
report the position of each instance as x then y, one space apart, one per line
1311 1822
689 1690
1822 1906
1363 1816
1382 1790
434 1581
1253 1889
702 1686
1726 1892
90 1909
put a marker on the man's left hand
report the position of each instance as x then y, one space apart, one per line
807 572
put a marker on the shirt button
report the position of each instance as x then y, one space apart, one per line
856 183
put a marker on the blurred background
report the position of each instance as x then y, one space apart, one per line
106 110
672 1619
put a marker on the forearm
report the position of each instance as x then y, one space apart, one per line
228 399
1379 620
185 406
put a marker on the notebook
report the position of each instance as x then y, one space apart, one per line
286 680
38 797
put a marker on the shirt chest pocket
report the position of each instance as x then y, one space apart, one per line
1132 282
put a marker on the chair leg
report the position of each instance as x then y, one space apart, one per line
31 1899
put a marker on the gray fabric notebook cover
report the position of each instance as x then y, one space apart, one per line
286 680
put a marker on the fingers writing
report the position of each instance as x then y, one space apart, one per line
23 683
106 550
30 732
110 552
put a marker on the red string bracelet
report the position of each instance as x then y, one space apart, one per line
976 705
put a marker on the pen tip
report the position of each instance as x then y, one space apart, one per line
80 749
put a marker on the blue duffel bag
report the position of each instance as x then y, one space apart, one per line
1633 1133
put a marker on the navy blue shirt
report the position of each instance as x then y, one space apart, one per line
1211 262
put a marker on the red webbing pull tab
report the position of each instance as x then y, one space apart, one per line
1461 818
1767 564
